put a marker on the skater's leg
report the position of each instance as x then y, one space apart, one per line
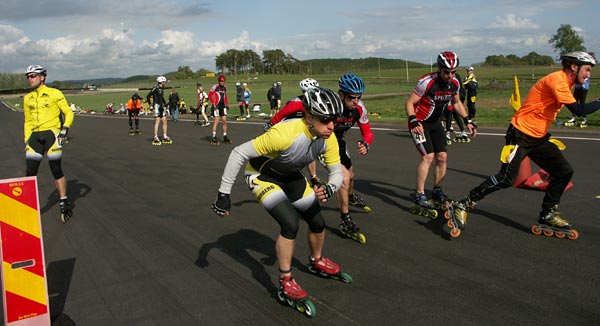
440 168
315 243
164 126
343 192
284 249
548 157
423 170
61 186
224 120
156 123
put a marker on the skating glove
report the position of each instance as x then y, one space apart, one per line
329 190
222 204
365 144
62 136
414 123
473 123
267 126
315 181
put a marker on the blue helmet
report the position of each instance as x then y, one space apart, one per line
351 84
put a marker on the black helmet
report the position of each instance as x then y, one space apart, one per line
322 102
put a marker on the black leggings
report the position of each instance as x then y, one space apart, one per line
543 153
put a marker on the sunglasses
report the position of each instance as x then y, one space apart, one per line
326 121
448 72
30 76
354 97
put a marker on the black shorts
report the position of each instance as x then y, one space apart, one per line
435 138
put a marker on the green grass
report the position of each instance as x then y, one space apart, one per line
495 88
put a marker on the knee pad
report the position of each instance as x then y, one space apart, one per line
56 168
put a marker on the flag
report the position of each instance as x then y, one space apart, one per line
515 99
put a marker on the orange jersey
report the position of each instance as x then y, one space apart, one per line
543 103
134 106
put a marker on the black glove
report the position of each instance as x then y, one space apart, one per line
329 190
414 123
222 204
62 136
473 123
315 181
364 144
268 126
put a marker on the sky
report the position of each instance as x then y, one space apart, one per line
77 39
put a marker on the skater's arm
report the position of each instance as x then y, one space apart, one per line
238 157
583 109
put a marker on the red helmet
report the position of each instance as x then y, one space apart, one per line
221 78
448 60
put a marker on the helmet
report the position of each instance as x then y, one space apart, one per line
237 84
198 84
161 79
351 84
470 68
308 82
274 84
244 84
221 78
36 69
578 58
322 102
448 60
135 97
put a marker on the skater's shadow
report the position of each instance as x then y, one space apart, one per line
59 275
75 190
478 175
238 246
386 192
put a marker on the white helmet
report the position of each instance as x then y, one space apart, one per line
308 82
322 103
36 69
237 84
244 84
578 58
161 79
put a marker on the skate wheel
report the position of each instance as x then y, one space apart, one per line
536 230
433 214
548 233
447 215
560 235
280 297
309 309
414 209
573 235
361 238
450 224
455 233
346 278
367 209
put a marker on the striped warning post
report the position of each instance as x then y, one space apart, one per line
25 292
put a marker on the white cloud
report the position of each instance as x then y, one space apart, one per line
347 37
512 21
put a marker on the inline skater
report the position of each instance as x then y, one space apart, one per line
527 135
202 104
424 109
156 99
134 105
46 133
273 173
218 97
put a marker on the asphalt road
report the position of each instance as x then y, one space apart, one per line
144 248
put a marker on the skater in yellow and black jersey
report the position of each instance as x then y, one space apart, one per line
274 161
46 131
528 136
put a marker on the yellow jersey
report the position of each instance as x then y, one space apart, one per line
42 108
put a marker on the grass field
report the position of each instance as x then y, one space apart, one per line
385 93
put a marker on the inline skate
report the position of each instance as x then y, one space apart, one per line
457 215
439 199
551 224
66 210
583 123
349 229
226 140
356 200
448 138
214 141
293 295
422 206
461 137
156 141
327 268
131 133
570 122
166 140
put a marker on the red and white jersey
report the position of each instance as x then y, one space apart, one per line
435 96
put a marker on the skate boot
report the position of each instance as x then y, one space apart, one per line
349 229
570 122
550 223
457 215
357 201
166 140
448 138
293 295
206 123
156 141
583 123
197 122
66 210
327 268
422 206
214 141
131 132
439 199
138 132
226 140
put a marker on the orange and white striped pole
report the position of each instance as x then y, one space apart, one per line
24 287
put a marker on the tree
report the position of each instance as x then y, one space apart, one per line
566 40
